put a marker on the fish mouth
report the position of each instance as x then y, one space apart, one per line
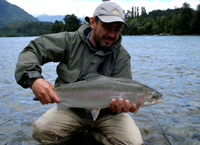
155 98
152 102
156 101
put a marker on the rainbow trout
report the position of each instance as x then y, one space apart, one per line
96 91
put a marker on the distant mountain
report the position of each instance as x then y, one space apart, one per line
50 18
10 13
53 18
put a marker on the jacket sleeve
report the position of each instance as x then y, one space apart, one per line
44 49
122 66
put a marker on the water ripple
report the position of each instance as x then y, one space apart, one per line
169 64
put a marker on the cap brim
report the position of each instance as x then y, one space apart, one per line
111 19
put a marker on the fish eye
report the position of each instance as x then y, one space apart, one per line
154 97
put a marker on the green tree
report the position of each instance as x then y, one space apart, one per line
155 28
174 25
133 26
148 26
186 18
161 22
57 27
196 21
143 12
141 30
71 23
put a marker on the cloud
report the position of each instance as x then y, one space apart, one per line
58 7
156 4
86 7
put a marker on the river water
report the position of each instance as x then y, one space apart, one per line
171 64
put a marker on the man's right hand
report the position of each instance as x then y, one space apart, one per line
43 90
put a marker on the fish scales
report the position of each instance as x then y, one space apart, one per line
97 91
103 83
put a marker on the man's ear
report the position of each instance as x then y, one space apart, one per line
92 22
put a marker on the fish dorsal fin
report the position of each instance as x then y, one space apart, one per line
91 76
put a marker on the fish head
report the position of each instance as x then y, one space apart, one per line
153 98
147 98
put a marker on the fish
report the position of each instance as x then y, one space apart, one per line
96 91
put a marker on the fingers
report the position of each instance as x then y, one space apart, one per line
112 105
49 97
119 105
126 106
133 108
53 96
44 97
120 108
44 92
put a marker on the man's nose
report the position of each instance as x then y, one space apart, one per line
111 34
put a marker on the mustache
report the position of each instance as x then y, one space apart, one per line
109 38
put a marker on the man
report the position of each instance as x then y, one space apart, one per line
92 49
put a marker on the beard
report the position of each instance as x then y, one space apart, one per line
99 45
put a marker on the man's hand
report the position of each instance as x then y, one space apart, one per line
44 92
119 107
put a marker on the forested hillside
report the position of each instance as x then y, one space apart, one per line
10 13
178 21
25 28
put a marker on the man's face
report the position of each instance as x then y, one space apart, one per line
105 34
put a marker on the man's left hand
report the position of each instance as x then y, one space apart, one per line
119 107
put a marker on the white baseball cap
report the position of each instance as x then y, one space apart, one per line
109 12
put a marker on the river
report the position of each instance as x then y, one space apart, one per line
171 64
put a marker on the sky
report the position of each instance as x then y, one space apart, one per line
83 8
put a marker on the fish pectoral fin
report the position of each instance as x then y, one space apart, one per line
95 113
61 106
136 111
